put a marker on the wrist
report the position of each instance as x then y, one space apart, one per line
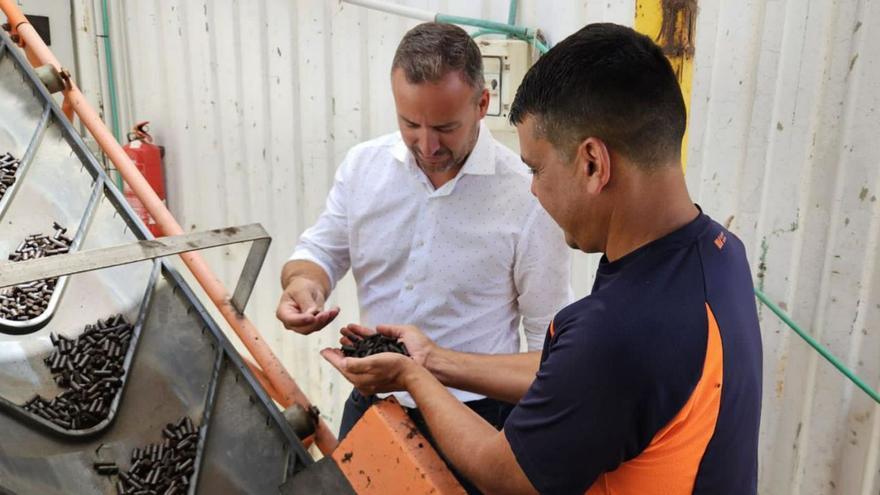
412 373
306 274
436 362
302 282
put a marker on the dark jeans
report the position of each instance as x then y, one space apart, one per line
493 411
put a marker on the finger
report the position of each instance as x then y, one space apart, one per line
326 317
336 358
354 337
344 340
349 335
298 320
332 314
302 330
305 299
360 330
363 365
393 331
286 309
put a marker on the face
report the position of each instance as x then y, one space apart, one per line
569 189
439 121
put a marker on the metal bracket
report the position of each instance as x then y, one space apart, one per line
50 76
14 273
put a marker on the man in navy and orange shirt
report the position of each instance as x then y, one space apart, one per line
652 383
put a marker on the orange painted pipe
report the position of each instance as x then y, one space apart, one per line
261 377
274 371
13 14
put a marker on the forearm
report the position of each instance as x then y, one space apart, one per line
305 269
504 377
471 444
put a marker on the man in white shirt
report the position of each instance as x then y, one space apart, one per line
436 223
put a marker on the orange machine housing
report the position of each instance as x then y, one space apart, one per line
386 453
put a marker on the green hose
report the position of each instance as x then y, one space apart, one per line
511 12
484 32
518 31
111 81
816 345
541 47
491 27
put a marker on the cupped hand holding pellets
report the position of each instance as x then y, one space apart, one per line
372 359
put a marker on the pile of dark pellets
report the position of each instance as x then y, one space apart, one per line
163 468
8 167
90 369
27 301
374 344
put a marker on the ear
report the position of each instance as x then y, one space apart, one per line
594 160
483 102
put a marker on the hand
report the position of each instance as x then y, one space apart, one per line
301 308
418 345
379 373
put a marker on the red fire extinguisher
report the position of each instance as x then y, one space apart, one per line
147 157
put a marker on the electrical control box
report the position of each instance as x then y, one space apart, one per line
53 21
505 62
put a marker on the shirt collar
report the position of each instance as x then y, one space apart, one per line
480 162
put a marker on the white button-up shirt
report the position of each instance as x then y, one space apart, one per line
464 262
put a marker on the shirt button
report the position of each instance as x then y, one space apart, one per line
409 286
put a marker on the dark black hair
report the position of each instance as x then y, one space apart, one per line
610 82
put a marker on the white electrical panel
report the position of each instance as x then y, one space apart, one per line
505 62
53 21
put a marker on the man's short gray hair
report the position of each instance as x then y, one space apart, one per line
431 50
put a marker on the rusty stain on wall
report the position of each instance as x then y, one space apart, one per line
676 36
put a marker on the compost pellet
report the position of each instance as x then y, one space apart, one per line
8 168
26 301
374 344
165 467
91 377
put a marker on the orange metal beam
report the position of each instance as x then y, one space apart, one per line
264 381
13 14
286 388
386 453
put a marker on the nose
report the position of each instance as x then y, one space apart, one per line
429 142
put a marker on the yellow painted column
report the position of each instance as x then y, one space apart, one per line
672 24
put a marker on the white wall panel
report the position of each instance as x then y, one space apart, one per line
257 102
783 146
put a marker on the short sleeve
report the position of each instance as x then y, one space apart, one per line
582 415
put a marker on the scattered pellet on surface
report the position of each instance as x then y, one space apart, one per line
90 368
106 468
373 344
8 168
27 301
164 468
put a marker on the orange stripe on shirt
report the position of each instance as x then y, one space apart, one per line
669 464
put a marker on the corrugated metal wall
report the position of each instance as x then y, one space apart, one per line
257 102
786 115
